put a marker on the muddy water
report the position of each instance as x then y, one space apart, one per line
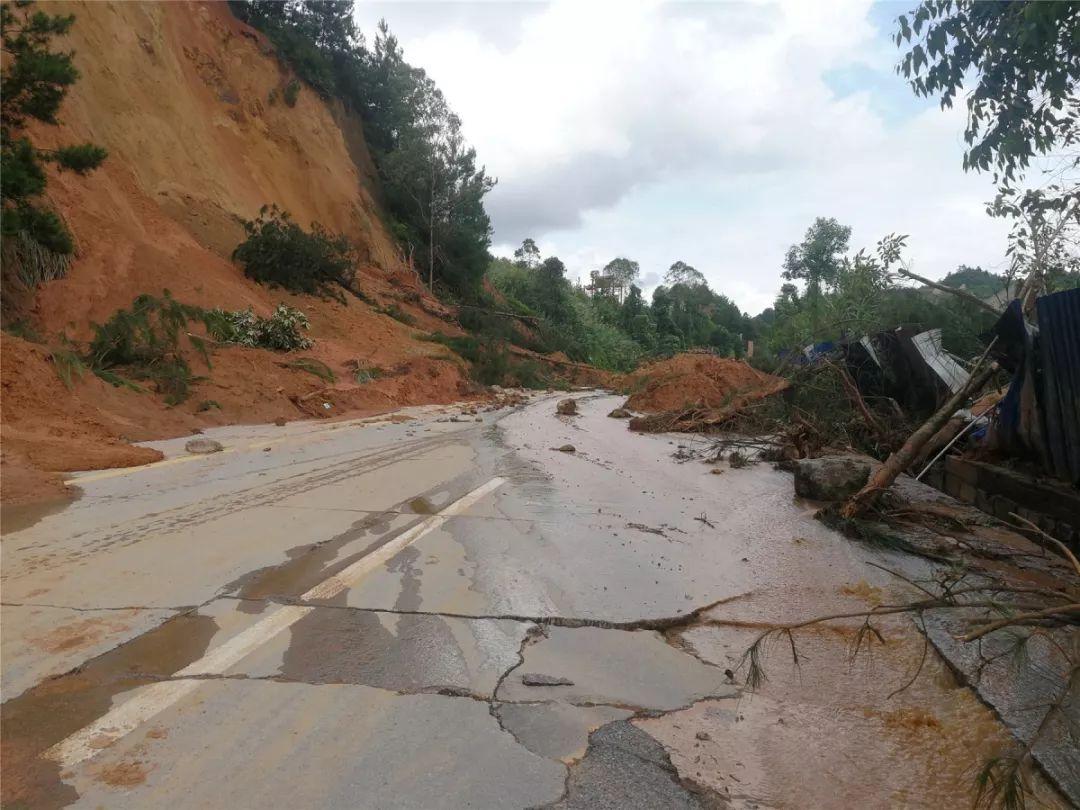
16 518
58 707
830 732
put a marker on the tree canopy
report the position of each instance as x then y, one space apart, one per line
1024 59
33 83
432 184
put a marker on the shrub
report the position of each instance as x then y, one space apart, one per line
281 332
397 313
280 253
490 363
146 341
292 93
313 366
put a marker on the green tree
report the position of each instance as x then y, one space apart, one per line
528 255
33 83
552 289
1020 62
624 271
432 185
818 258
682 273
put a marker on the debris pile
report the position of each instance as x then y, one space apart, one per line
695 391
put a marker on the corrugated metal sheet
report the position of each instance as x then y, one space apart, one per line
1059 358
941 362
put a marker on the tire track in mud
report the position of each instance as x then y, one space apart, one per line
194 514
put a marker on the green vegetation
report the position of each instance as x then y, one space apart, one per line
397 313
292 93
313 366
281 332
432 187
33 83
608 328
280 253
492 363
147 342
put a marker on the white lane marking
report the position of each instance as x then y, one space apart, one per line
128 716
348 577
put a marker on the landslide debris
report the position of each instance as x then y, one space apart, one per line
567 407
695 390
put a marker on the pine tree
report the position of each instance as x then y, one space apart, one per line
33 83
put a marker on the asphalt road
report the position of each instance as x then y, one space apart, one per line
427 613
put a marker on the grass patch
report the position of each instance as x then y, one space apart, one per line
68 364
490 363
397 313
313 366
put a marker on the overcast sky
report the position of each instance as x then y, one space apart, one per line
713 133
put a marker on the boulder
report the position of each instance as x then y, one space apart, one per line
620 413
566 407
831 478
203 445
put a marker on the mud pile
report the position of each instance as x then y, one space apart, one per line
697 380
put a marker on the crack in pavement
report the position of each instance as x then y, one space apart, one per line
173 608
659 623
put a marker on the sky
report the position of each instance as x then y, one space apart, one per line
712 133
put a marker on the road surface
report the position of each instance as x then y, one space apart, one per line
440 609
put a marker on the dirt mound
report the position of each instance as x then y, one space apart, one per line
696 380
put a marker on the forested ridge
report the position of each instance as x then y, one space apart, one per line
434 187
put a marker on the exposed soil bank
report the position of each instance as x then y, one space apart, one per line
186 99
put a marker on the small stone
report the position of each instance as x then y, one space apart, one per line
280 421
620 413
566 448
703 735
203 445
479 419
566 407
535 679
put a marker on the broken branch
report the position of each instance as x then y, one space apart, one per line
899 461
964 294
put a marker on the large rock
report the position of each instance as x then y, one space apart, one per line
620 413
832 478
203 445
566 407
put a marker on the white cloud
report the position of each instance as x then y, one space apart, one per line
702 132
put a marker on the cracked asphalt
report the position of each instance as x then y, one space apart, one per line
410 614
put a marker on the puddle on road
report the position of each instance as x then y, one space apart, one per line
422 506
309 564
312 563
402 653
16 518
58 707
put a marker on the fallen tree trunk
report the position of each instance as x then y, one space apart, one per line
899 461
946 288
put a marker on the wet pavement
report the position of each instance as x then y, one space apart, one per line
426 613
